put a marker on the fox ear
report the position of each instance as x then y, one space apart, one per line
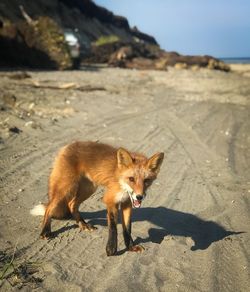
154 163
123 158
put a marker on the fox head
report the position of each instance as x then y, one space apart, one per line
136 173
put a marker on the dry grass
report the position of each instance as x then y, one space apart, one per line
17 272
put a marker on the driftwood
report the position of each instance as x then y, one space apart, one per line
65 86
147 56
25 15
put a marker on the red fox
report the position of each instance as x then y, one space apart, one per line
80 168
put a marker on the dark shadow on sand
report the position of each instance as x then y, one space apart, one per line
168 222
176 223
62 229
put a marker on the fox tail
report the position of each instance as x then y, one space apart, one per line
38 210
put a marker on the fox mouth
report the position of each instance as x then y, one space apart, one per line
135 203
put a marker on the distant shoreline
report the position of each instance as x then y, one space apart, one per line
245 60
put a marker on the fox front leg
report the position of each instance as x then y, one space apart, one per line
111 247
126 210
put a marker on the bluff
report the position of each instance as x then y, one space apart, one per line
37 40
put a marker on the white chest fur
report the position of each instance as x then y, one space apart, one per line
122 197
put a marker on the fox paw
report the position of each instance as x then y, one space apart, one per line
137 248
45 235
111 250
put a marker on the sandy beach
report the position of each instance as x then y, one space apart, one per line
194 224
243 69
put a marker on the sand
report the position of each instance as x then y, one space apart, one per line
194 224
243 69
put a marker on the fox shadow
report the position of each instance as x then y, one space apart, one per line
170 222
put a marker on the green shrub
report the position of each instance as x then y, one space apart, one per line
106 39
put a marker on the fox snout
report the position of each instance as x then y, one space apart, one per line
139 197
138 190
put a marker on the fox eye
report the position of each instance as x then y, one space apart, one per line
131 178
147 181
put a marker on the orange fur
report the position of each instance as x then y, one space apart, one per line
81 167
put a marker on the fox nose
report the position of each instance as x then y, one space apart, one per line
139 197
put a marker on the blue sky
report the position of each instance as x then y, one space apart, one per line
216 27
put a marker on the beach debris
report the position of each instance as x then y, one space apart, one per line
139 55
54 119
15 130
65 86
181 66
19 75
31 105
8 99
32 124
91 88
38 84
